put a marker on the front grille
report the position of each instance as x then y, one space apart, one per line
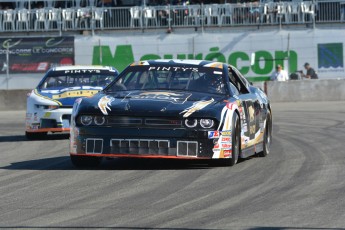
124 121
66 117
187 148
48 123
144 122
94 145
140 146
169 122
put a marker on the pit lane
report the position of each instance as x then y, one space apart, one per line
300 185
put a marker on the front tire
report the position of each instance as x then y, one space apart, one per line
267 137
35 136
236 145
85 161
236 141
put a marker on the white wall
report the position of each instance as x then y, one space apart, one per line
304 43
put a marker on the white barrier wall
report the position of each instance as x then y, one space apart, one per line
322 48
307 90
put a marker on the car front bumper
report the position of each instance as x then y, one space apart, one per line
145 143
57 120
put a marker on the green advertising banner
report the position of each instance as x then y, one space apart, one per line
256 53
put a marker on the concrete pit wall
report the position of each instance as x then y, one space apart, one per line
13 99
307 90
291 91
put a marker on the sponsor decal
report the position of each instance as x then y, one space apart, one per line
216 146
225 133
7 44
47 114
83 71
173 68
225 139
104 103
121 55
213 134
227 153
226 146
199 105
77 93
51 42
330 57
36 54
176 98
167 94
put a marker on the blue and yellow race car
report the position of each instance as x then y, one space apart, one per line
49 105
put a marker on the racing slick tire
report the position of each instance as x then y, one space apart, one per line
85 161
236 145
35 136
267 137
236 141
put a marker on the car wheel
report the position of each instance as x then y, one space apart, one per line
236 141
267 137
236 145
35 136
86 161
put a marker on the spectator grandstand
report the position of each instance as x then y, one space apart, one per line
76 15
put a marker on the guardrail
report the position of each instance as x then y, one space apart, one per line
141 17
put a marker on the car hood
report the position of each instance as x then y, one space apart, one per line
67 96
153 103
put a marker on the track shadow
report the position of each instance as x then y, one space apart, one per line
153 228
64 163
49 137
99 227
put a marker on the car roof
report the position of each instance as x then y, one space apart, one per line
77 67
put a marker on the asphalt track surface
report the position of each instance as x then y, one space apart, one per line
300 185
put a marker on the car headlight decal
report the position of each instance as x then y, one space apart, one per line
46 107
190 122
99 120
86 120
206 123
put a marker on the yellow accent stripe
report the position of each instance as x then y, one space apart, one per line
252 142
217 65
76 93
36 92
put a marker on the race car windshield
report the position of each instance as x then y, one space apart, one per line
59 81
206 80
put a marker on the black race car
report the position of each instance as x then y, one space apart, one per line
179 109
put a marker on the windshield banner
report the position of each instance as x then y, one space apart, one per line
35 54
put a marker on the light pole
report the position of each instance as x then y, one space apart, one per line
7 66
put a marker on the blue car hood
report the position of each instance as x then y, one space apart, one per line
67 96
